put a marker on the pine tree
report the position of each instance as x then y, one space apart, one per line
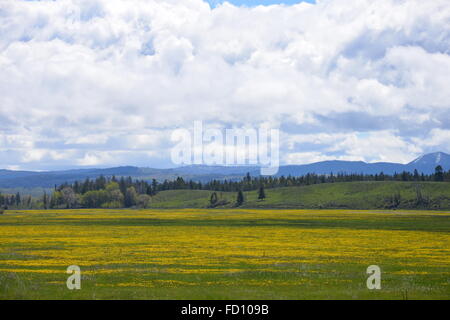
45 200
240 198
18 200
416 175
438 174
261 193
154 186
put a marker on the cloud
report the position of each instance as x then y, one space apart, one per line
104 82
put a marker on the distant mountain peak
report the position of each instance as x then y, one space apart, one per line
437 158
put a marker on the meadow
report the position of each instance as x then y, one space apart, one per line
362 195
224 254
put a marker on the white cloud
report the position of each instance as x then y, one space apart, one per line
369 146
378 146
311 157
436 138
84 82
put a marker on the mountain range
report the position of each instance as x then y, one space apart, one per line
47 179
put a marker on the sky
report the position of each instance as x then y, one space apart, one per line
252 3
101 83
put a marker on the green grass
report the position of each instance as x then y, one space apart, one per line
347 195
187 198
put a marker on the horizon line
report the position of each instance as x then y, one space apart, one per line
206 165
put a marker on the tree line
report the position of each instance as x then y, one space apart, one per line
126 192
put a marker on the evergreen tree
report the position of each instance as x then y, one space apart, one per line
416 175
45 200
261 193
438 174
240 198
18 199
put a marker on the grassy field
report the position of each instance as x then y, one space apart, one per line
224 254
344 195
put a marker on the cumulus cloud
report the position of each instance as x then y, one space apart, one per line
104 82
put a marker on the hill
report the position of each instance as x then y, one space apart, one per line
346 195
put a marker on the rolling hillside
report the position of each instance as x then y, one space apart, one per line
347 195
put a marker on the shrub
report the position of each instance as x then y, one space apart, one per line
143 201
